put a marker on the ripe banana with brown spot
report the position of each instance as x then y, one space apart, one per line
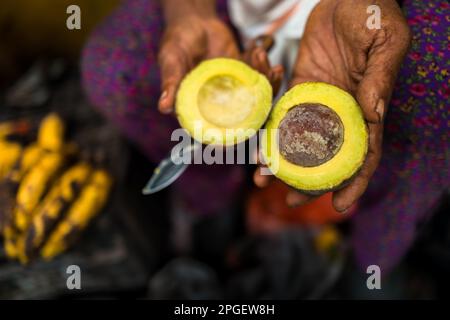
29 157
9 185
39 218
10 236
33 187
51 133
90 202
15 162
54 205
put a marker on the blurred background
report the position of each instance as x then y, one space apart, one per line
128 247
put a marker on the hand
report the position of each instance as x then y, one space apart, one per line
194 33
256 56
338 48
186 42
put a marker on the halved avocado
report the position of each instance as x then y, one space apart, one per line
320 139
223 101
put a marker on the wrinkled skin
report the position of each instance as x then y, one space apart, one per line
336 48
339 49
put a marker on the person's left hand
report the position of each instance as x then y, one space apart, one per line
338 48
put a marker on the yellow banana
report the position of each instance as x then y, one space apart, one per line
55 204
30 156
10 238
90 202
33 186
51 133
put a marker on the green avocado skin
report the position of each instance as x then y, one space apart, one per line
321 192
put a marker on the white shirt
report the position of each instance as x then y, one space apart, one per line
256 17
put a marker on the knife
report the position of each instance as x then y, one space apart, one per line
170 169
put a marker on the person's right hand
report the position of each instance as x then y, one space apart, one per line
189 40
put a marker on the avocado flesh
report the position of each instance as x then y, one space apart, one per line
223 101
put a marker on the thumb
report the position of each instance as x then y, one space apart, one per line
374 91
173 67
384 60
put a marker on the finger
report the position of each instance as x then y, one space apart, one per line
346 197
261 180
260 61
384 60
231 52
295 198
173 67
276 78
265 42
256 55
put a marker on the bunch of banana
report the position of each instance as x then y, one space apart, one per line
91 200
56 193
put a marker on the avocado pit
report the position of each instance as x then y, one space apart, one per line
310 134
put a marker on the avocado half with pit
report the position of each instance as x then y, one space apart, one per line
223 101
316 138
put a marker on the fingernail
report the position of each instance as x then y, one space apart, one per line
262 56
379 109
165 110
343 211
264 41
163 95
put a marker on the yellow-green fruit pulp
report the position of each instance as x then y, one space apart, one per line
223 101
316 138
